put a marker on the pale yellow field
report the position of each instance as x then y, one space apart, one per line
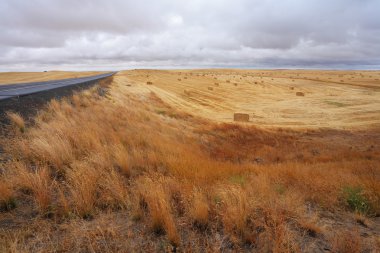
332 99
22 77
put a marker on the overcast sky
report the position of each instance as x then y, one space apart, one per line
119 34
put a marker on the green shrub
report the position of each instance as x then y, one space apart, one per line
279 188
356 200
237 179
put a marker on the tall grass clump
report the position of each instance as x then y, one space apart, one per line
7 196
17 121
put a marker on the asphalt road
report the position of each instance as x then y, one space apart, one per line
22 89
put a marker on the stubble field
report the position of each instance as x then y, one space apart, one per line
331 99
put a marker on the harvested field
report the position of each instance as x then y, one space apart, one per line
270 96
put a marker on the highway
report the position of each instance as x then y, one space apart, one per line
22 89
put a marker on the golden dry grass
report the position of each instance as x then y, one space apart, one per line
6 195
128 170
26 77
17 121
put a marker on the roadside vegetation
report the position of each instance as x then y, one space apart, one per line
118 170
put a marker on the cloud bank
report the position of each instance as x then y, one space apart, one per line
118 34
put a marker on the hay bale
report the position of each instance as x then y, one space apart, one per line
185 77
179 79
300 94
210 88
149 83
292 88
187 92
216 84
235 84
228 81
243 117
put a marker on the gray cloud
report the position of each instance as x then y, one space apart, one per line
86 34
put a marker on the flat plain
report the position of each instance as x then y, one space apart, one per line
26 77
331 99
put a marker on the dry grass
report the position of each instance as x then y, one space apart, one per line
84 181
236 211
125 170
199 209
310 226
17 121
347 242
7 196
155 199
37 182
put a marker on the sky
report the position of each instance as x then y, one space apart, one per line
122 34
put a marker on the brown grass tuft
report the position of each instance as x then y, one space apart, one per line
310 226
17 121
199 209
83 181
346 242
157 201
39 183
7 196
236 211
121 159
